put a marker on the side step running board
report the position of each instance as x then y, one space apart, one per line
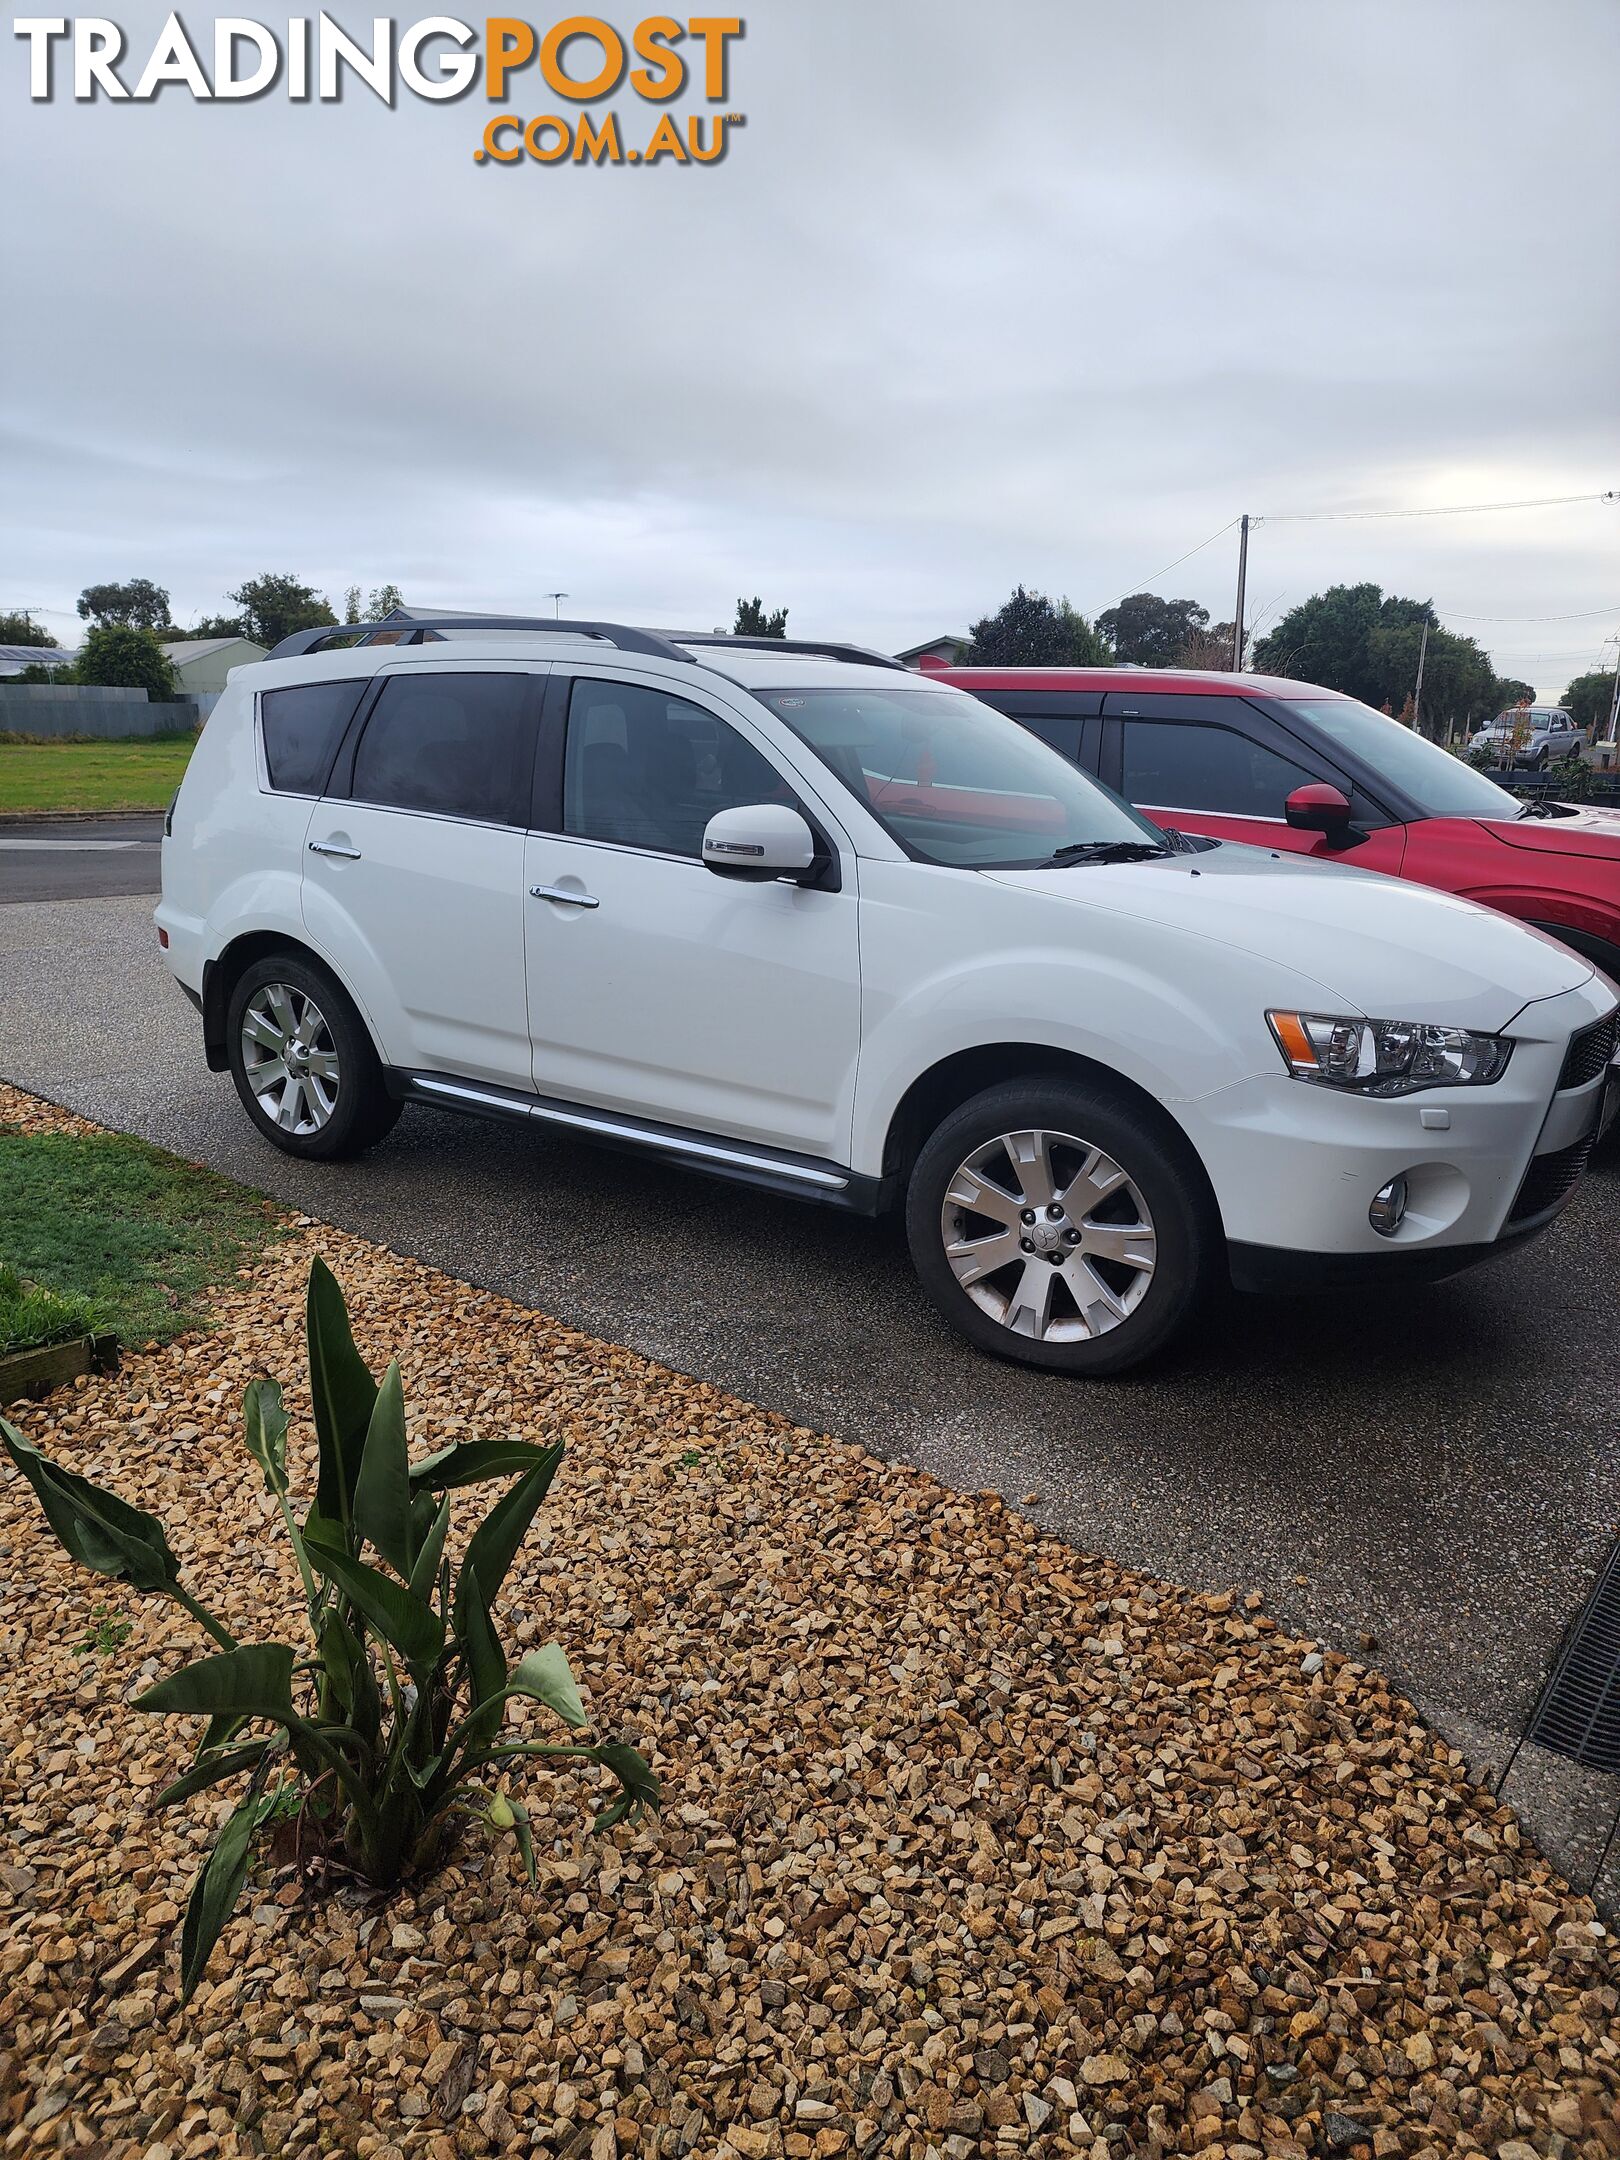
784 1173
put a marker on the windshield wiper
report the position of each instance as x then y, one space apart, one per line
1105 851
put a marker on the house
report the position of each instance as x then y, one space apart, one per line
202 664
14 658
946 650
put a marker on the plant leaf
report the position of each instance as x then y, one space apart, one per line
98 1529
641 1789
425 1567
217 1731
493 1545
253 1681
524 1836
381 1504
216 1890
486 1662
264 1427
344 1393
408 1622
545 1675
470 1462
213 1770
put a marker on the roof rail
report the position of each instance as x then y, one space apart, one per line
856 655
420 629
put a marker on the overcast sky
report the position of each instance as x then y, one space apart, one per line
1045 302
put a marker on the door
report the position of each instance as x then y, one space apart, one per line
1216 765
413 879
657 988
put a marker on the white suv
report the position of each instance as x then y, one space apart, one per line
800 918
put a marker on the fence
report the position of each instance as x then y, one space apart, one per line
58 709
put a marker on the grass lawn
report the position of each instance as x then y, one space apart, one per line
69 776
132 1235
31 1317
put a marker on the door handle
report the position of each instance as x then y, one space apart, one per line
564 895
329 847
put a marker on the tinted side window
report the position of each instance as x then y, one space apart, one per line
646 770
302 728
454 745
1180 765
1063 734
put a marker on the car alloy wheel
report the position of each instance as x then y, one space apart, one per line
1049 1236
290 1059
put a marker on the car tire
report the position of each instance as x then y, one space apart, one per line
329 1100
1090 1292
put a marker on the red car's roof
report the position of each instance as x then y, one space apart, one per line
1203 682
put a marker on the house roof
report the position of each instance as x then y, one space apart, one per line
197 648
14 658
928 645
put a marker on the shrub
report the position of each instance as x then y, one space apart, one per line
379 1739
116 655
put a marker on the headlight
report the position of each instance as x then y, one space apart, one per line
1386 1057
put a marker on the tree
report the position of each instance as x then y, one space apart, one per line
130 659
1029 630
1366 643
755 620
211 626
1589 698
273 607
1210 649
383 602
16 629
1149 632
139 602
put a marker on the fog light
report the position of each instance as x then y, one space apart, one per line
1389 1207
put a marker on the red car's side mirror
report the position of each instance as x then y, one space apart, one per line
1319 808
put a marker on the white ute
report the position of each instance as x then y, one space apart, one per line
795 916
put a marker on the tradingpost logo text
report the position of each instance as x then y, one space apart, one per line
570 65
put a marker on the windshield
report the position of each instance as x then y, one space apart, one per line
955 782
1441 785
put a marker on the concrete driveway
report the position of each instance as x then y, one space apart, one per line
1427 1478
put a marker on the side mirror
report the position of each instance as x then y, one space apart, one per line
1317 807
758 842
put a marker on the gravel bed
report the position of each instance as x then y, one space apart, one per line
973 1844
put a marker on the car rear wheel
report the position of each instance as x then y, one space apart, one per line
1053 1223
303 1062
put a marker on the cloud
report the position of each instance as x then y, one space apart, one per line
1048 294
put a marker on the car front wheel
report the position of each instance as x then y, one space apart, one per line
303 1062
1054 1224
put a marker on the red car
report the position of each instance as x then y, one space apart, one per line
1282 764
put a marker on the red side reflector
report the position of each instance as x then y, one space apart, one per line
163 941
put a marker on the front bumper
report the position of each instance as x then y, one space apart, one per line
1295 1167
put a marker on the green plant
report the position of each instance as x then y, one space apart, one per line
109 1631
382 1737
31 1316
127 658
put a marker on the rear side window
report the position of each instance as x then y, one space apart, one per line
1183 765
302 728
449 745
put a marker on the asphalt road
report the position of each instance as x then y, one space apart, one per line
1437 1470
78 858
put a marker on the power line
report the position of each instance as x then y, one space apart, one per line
1579 615
1532 502
1142 583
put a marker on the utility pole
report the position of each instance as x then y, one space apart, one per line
1614 703
1417 694
1243 579
556 599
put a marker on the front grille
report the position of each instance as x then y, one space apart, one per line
1589 1052
1550 1180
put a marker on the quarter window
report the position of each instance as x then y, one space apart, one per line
302 728
449 745
1185 765
649 771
